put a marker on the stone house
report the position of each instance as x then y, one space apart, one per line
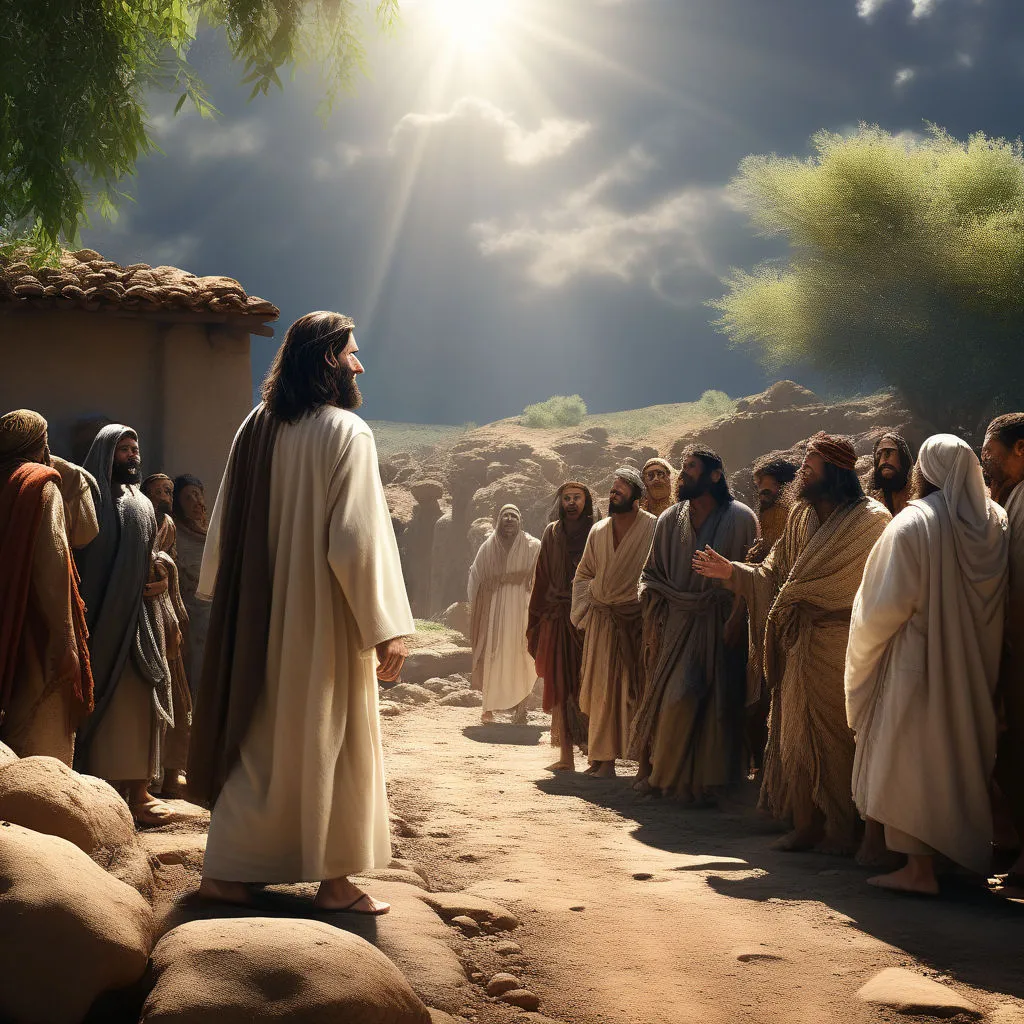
166 352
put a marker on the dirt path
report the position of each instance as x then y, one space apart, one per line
646 912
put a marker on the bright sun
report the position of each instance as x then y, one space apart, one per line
471 26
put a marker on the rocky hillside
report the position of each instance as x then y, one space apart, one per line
444 496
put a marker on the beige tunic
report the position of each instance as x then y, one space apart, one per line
607 580
306 800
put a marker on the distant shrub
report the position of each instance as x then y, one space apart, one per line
557 411
716 403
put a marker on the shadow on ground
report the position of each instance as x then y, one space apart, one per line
500 732
971 932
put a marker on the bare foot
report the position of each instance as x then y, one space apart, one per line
592 768
217 891
561 766
487 718
907 880
870 855
797 840
834 846
339 894
606 770
642 785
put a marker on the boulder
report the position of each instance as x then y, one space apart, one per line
901 990
235 970
427 664
64 918
6 755
462 699
783 394
45 795
521 997
502 983
466 925
457 616
438 686
410 693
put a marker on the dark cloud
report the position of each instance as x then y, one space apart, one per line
558 225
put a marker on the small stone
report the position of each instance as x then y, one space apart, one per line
476 976
508 948
642 876
907 992
389 710
438 834
466 925
577 909
502 983
521 997
747 956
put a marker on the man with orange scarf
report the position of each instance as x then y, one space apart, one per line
45 676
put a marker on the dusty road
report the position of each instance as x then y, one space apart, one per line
646 912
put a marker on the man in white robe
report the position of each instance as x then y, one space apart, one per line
303 567
606 607
921 669
500 584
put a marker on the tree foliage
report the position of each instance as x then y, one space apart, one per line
75 77
557 411
906 262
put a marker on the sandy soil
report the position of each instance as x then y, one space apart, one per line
643 911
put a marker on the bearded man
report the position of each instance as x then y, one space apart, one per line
801 596
121 741
772 476
171 620
657 478
554 643
500 582
921 669
1002 456
606 607
189 514
46 683
691 717
890 479
302 564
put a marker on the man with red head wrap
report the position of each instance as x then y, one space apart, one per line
800 598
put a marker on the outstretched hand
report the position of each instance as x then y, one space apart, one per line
391 655
711 564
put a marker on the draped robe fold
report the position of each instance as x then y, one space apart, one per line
121 740
921 668
691 716
305 799
803 593
606 607
500 584
554 643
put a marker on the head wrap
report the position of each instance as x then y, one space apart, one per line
152 479
22 433
899 443
631 476
508 508
833 449
656 462
588 500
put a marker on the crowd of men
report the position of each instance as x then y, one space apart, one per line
856 645
101 626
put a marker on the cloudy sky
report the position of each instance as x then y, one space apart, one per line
532 201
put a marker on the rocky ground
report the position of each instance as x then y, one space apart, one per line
518 896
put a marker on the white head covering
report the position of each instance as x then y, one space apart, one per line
979 529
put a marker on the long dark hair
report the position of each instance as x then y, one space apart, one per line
841 486
301 380
711 461
180 483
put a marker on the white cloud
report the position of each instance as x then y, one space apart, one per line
552 138
918 8
217 140
903 76
345 155
660 244
964 60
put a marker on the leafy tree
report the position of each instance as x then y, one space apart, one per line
75 77
906 264
557 411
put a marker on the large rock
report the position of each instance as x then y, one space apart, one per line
237 970
428 664
899 989
450 905
457 616
6 755
462 699
45 795
71 930
410 693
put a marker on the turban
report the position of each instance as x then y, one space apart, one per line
152 479
22 433
657 462
509 508
631 476
834 449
